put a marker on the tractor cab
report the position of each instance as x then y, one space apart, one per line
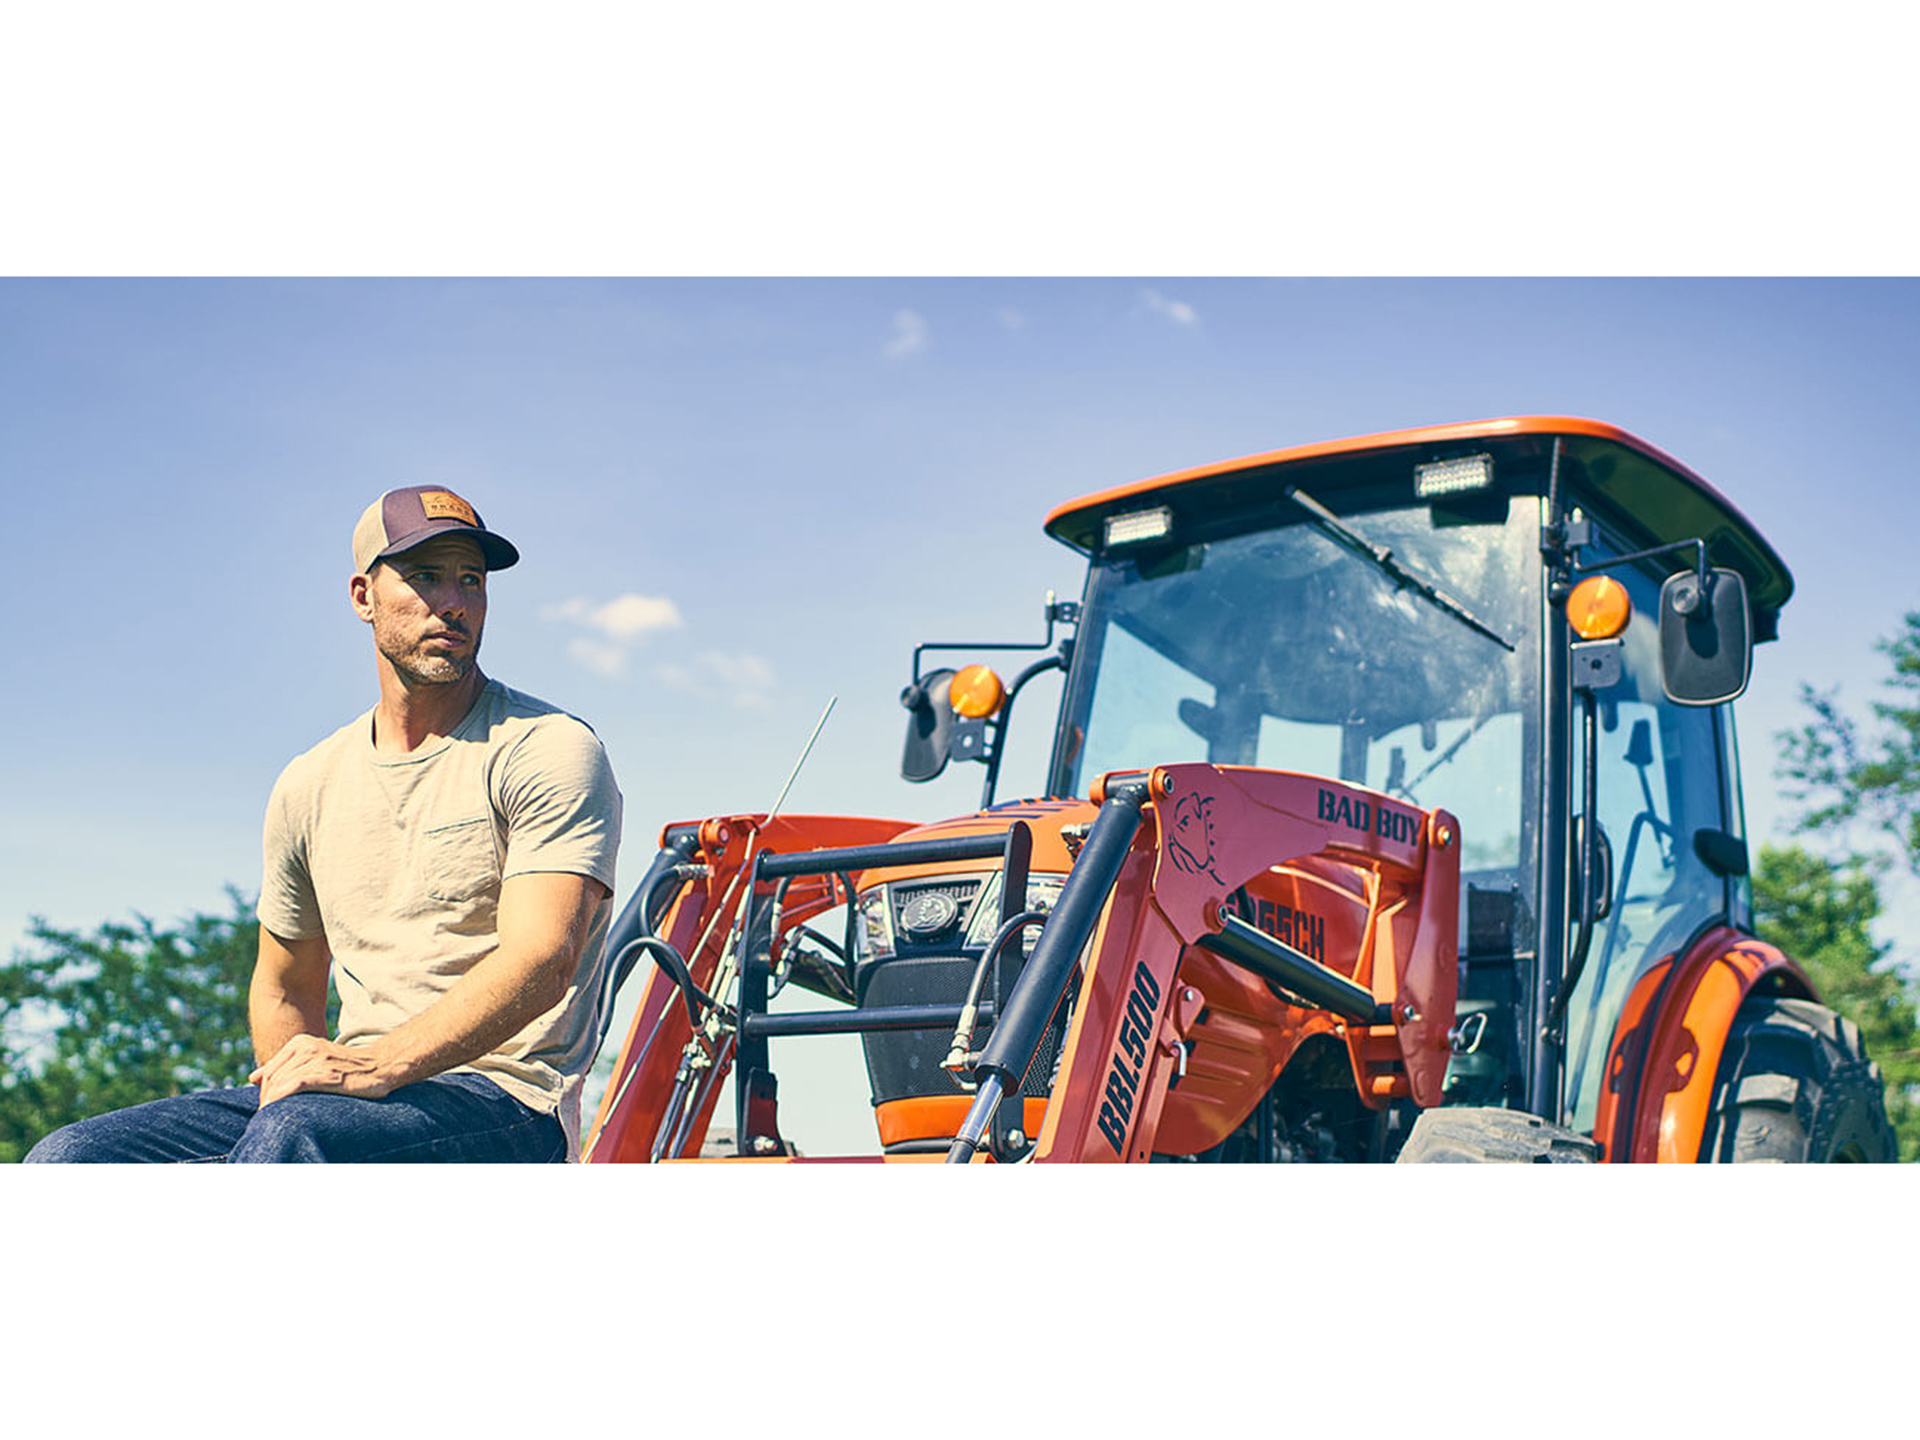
1393 613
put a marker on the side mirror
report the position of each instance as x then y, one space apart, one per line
929 727
948 719
1706 643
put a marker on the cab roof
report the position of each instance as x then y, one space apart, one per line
1614 475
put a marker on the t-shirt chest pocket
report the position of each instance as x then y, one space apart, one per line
458 860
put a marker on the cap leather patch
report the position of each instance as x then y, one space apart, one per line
444 504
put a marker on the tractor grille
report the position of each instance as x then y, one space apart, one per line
903 1063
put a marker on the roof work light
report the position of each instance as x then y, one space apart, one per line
1452 477
1137 527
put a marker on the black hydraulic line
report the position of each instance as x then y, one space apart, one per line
831 947
1295 972
1043 981
1055 661
669 960
854 1022
638 922
773 924
638 918
971 1009
866 857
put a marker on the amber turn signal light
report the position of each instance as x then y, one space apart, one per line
1598 608
976 692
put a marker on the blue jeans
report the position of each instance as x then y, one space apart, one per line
448 1117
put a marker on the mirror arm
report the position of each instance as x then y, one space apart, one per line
1056 661
1699 562
1064 612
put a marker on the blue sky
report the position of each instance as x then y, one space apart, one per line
807 478
739 498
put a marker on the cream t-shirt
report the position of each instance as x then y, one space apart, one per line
397 863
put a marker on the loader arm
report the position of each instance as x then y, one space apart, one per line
1206 832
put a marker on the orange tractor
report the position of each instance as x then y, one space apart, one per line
1412 830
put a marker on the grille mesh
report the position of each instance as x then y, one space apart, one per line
903 1063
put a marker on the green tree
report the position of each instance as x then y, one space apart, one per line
1845 777
1855 783
129 1013
1821 913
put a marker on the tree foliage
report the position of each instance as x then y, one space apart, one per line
1845 776
1821 913
129 1013
1851 779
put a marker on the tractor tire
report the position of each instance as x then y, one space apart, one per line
1484 1135
1795 1086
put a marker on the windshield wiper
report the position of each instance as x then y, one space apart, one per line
1381 558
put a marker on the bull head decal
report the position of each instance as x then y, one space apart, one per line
1190 838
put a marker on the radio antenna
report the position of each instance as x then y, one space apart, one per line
832 700
682 1092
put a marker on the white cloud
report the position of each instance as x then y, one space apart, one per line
631 616
742 680
909 335
625 617
1010 318
620 623
746 672
1178 311
602 659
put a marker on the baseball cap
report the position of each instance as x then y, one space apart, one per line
402 519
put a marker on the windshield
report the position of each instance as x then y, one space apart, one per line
1281 648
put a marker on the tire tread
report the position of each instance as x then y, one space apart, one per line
1795 1085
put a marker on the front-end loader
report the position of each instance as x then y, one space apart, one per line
1393 812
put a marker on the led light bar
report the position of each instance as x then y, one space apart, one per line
1139 526
1451 477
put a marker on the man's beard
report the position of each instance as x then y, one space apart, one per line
418 666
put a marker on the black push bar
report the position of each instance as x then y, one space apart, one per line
867 857
856 1022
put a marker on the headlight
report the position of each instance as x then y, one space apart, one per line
876 925
1043 891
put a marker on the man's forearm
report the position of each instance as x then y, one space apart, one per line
487 1006
275 1017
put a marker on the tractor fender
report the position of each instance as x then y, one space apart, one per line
1667 1046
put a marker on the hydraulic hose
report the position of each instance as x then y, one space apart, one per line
970 1007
